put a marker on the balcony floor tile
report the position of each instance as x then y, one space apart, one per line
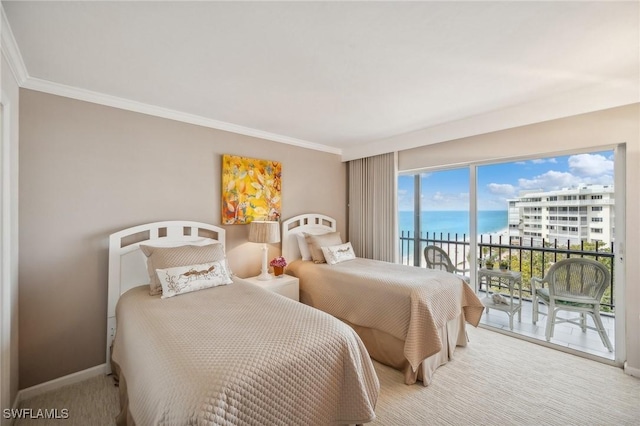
565 335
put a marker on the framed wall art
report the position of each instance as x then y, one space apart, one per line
250 189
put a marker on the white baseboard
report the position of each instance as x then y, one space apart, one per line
635 372
60 382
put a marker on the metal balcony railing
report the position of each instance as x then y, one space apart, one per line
530 256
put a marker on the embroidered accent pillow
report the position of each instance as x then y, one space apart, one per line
338 253
316 242
171 257
185 279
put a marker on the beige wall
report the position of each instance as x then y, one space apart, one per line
9 233
586 131
87 171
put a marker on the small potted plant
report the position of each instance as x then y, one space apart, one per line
504 265
278 265
488 263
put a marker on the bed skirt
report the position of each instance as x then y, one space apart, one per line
389 350
124 417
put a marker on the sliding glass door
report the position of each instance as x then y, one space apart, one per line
434 209
527 214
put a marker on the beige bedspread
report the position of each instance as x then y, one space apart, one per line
238 354
407 302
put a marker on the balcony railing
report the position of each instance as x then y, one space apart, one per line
530 256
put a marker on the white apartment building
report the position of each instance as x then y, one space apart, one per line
582 213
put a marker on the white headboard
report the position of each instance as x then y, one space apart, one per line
311 223
128 265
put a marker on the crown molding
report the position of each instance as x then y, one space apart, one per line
13 56
10 50
130 105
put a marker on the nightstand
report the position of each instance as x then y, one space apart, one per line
286 285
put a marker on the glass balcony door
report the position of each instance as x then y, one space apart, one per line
527 214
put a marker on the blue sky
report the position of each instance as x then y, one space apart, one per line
449 189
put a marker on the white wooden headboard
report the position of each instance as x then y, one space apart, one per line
311 223
128 265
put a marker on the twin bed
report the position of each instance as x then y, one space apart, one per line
229 354
409 318
234 353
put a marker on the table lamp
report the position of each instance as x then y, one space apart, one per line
265 232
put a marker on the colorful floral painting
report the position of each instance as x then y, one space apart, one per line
250 189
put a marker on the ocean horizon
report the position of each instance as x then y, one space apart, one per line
455 221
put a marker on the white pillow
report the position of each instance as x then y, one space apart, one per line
304 247
316 242
185 279
338 253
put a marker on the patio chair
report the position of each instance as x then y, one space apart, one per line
437 258
574 285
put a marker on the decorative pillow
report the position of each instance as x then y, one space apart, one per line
171 257
316 242
339 253
185 279
305 254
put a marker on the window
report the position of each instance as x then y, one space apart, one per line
530 212
442 213
532 202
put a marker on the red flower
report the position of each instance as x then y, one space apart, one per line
278 261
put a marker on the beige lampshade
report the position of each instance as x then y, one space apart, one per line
261 231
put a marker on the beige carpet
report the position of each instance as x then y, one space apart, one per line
93 402
496 380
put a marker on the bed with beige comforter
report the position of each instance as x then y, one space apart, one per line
238 354
410 318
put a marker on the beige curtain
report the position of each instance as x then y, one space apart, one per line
373 229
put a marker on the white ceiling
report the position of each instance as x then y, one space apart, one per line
345 77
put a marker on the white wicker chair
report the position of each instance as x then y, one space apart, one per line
437 258
574 285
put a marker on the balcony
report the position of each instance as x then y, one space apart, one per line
565 335
530 257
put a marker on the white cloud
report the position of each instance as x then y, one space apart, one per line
592 165
503 189
446 201
594 169
544 160
550 180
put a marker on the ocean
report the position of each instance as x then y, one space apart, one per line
455 221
